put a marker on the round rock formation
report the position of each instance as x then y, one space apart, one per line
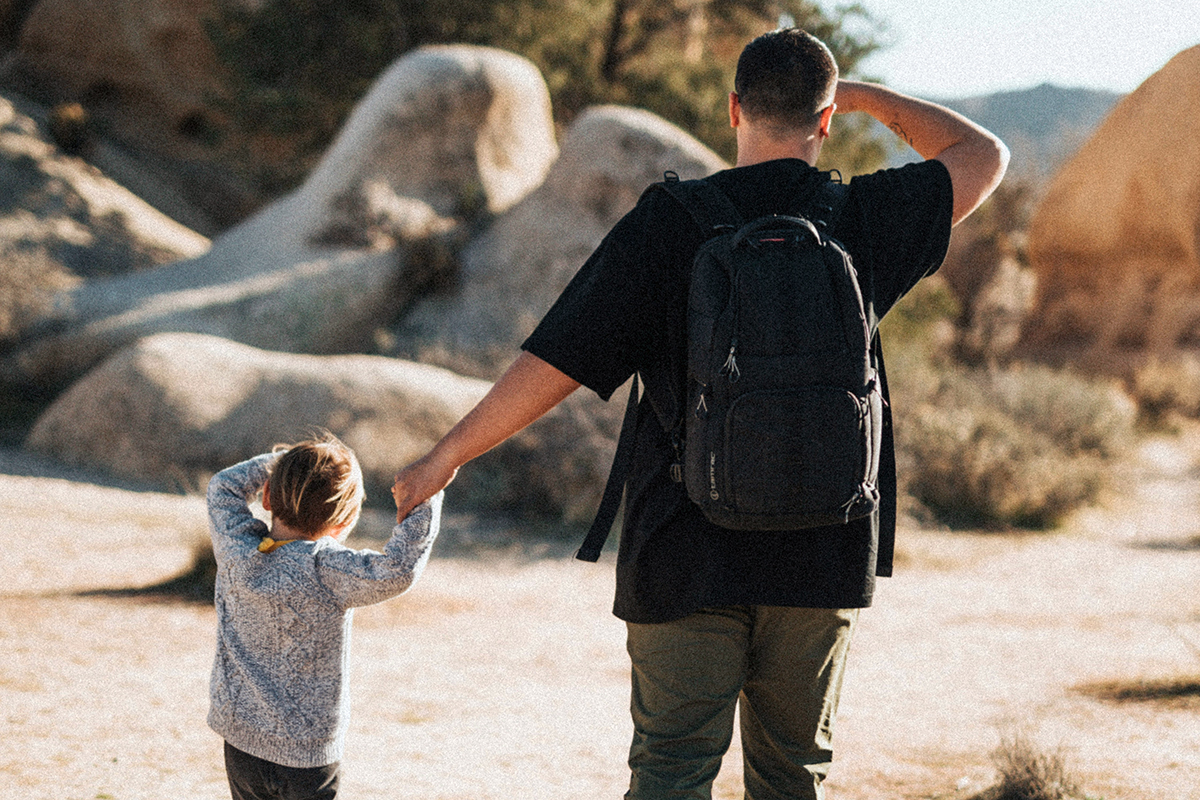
1116 241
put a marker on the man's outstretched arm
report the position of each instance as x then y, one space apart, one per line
975 157
526 391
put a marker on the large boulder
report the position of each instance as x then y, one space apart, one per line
146 65
62 222
1116 240
174 408
445 133
153 97
456 126
512 273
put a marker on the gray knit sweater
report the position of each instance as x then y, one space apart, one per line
278 688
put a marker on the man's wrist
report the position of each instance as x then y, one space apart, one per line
868 98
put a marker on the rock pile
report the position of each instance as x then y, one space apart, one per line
146 73
62 222
440 225
322 269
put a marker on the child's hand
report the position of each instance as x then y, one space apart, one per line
418 482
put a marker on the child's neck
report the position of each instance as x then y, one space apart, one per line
282 532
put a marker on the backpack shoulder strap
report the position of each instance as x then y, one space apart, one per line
614 489
887 472
714 213
825 208
711 208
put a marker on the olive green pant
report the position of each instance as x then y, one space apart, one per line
782 666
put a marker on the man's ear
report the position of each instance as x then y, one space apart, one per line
266 496
826 119
735 110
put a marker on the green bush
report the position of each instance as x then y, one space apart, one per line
922 320
296 67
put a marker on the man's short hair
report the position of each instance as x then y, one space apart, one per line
316 485
785 79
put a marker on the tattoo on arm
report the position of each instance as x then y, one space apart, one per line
898 129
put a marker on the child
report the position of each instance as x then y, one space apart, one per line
284 606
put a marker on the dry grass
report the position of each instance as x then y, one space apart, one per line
1027 773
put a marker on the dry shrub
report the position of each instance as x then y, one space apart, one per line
1025 773
196 583
1167 387
1022 446
1080 415
975 466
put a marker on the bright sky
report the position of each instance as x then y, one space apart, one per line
950 49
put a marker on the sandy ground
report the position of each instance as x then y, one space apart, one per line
503 674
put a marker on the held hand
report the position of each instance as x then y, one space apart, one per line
527 390
418 482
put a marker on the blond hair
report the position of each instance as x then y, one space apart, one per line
316 485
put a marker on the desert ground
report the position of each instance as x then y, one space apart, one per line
502 674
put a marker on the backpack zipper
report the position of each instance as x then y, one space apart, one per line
730 367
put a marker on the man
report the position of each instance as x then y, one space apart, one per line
718 617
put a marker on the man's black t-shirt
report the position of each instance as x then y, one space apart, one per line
625 311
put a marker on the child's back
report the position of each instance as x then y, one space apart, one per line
285 605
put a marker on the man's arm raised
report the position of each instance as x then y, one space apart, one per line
526 391
975 157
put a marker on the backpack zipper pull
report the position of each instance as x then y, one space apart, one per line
677 446
701 410
873 385
730 367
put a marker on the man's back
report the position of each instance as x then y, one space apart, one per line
626 311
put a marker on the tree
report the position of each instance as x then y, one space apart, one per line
298 66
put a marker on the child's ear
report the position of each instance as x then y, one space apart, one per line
266 496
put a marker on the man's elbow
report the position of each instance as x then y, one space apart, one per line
975 172
998 156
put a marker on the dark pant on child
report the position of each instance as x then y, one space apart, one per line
253 778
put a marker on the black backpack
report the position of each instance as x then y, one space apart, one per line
781 421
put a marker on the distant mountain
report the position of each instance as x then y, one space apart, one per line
1042 126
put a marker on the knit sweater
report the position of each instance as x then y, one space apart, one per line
279 680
